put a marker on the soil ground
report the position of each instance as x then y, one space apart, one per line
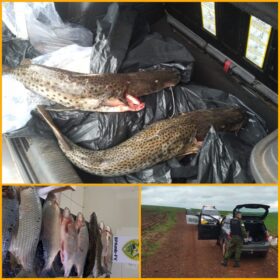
181 254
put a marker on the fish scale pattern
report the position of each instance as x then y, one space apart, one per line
24 244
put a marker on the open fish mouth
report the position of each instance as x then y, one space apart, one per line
131 103
134 103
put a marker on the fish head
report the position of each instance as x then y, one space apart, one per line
93 216
80 217
222 119
80 220
66 213
231 119
167 78
108 229
52 198
101 226
164 79
152 81
109 233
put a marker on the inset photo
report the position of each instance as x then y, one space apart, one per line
70 231
210 232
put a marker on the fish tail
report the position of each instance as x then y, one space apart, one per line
46 116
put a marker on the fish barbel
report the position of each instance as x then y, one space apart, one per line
94 92
158 142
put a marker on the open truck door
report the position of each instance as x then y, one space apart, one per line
208 227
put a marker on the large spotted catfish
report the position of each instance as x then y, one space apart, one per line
158 142
93 92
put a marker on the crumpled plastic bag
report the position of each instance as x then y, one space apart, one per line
103 130
43 27
15 50
72 58
112 40
224 159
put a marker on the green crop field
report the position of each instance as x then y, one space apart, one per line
271 223
149 244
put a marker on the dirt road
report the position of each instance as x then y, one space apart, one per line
181 254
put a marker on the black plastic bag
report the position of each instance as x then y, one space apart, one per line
224 159
112 40
104 130
15 50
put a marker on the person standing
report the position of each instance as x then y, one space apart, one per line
237 233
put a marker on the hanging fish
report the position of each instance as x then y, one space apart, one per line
94 247
107 252
24 243
68 241
82 244
50 230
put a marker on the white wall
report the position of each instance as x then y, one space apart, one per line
74 200
115 206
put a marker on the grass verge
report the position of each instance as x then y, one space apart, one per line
152 237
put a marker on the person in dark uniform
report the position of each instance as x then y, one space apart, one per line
237 233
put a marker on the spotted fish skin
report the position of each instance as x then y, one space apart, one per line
93 92
25 242
158 142
50 230
10 215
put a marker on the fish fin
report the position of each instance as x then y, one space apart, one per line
46 116
191 148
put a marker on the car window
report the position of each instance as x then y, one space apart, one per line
210 212
252 212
